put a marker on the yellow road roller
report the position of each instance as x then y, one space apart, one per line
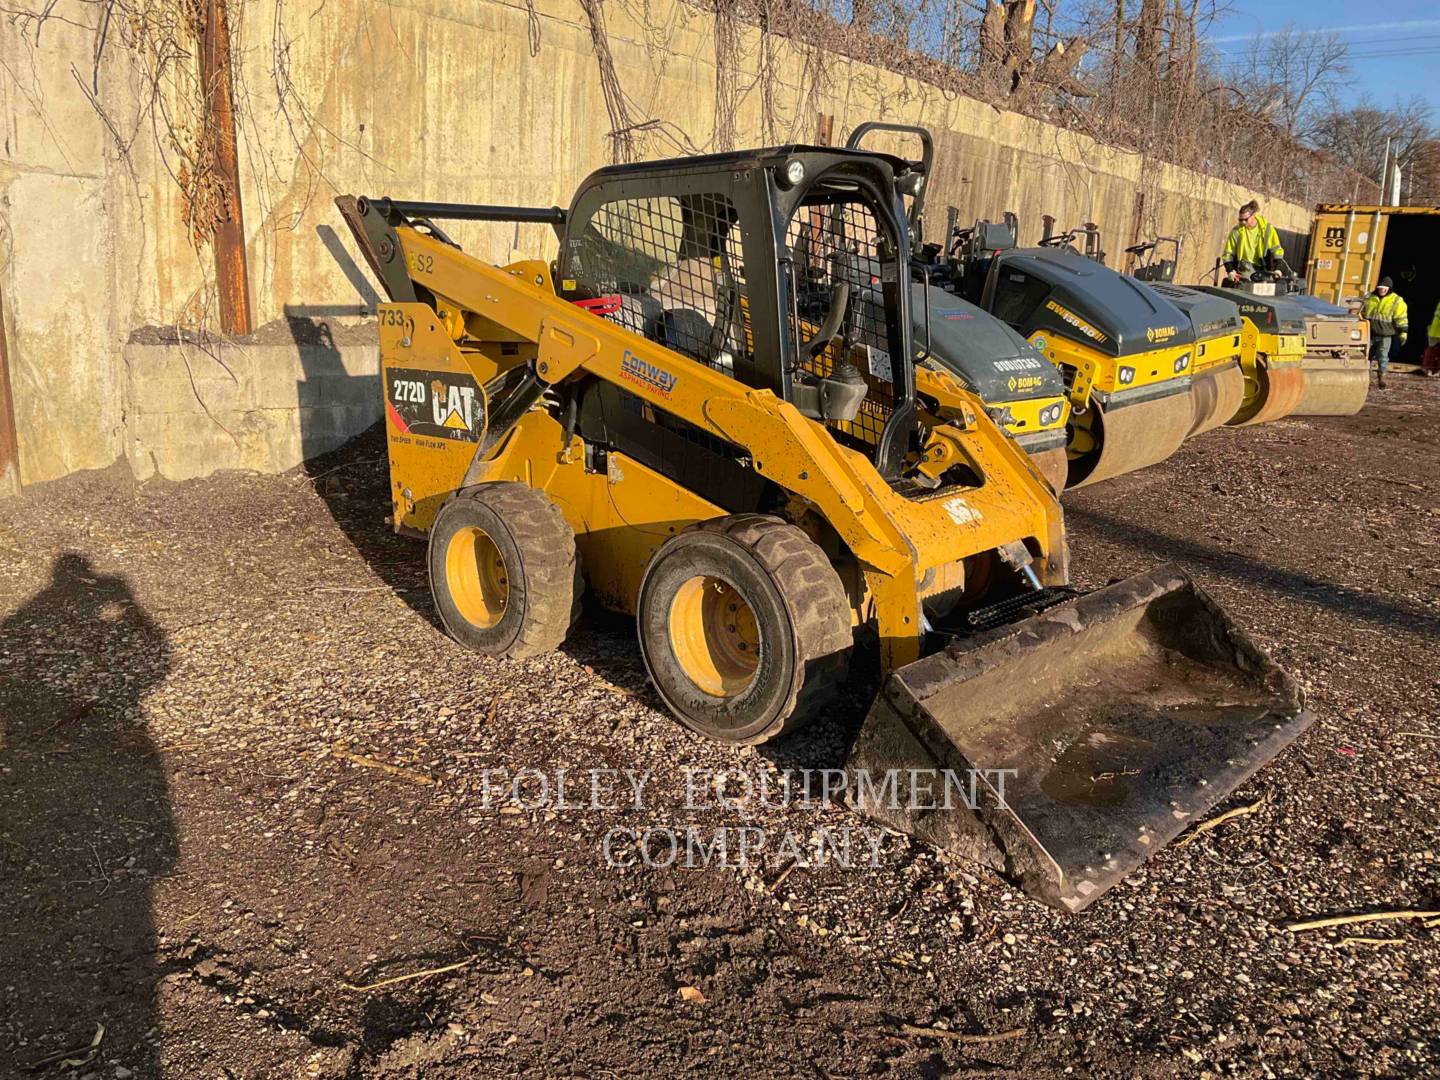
650 418
1337 357
1217 382
1126 353
1273 349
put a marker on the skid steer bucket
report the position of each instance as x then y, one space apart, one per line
1065 749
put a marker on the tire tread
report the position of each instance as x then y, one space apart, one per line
553 580
819 609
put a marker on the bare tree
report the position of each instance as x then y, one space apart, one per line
1358 134
1134 73
1288 75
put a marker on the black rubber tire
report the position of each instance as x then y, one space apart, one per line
801 613
541 564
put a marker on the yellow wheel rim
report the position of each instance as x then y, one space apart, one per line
714 636
1082 434
476 578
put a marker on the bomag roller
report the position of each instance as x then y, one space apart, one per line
955 339
1273 344
1217 381
1337 352
1336 361
1022 391
653 419
1334 373
1125 352
1298 355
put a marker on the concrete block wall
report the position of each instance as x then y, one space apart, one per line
198 409
459 100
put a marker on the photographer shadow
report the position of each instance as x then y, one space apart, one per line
86 825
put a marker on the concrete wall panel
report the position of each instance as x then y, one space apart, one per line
433 99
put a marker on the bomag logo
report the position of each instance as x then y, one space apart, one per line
1024 382
1159 333
1074 320
647 374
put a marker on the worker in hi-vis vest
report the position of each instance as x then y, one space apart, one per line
1252 245
1389 318
1430 362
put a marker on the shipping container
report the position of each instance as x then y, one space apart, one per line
1353 247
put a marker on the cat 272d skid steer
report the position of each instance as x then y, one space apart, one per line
654 418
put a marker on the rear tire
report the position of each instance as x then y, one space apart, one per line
744 627
504 570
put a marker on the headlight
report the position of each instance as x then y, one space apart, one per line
1182 362
794 173
1127 376
1050 414
1354 335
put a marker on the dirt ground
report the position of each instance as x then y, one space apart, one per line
241 783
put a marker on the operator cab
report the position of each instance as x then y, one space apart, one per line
752 263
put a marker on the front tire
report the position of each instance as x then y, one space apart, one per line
744 627
504 570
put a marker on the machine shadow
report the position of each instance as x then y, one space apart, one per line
86 826
1342 599
354 484
352 478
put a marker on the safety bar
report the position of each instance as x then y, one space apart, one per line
927 161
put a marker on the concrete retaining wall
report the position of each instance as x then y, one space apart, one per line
194 409
481 101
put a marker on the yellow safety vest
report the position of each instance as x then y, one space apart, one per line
1388 314
1253 244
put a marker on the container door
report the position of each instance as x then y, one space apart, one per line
1345 250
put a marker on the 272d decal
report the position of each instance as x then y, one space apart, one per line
435 404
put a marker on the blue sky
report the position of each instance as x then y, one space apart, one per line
1396 53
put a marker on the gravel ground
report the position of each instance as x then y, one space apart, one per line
241 783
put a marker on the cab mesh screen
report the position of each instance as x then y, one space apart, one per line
675 263
833 241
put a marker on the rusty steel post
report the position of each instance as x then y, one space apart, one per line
231 273
9 439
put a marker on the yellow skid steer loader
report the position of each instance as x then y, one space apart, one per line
654 418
